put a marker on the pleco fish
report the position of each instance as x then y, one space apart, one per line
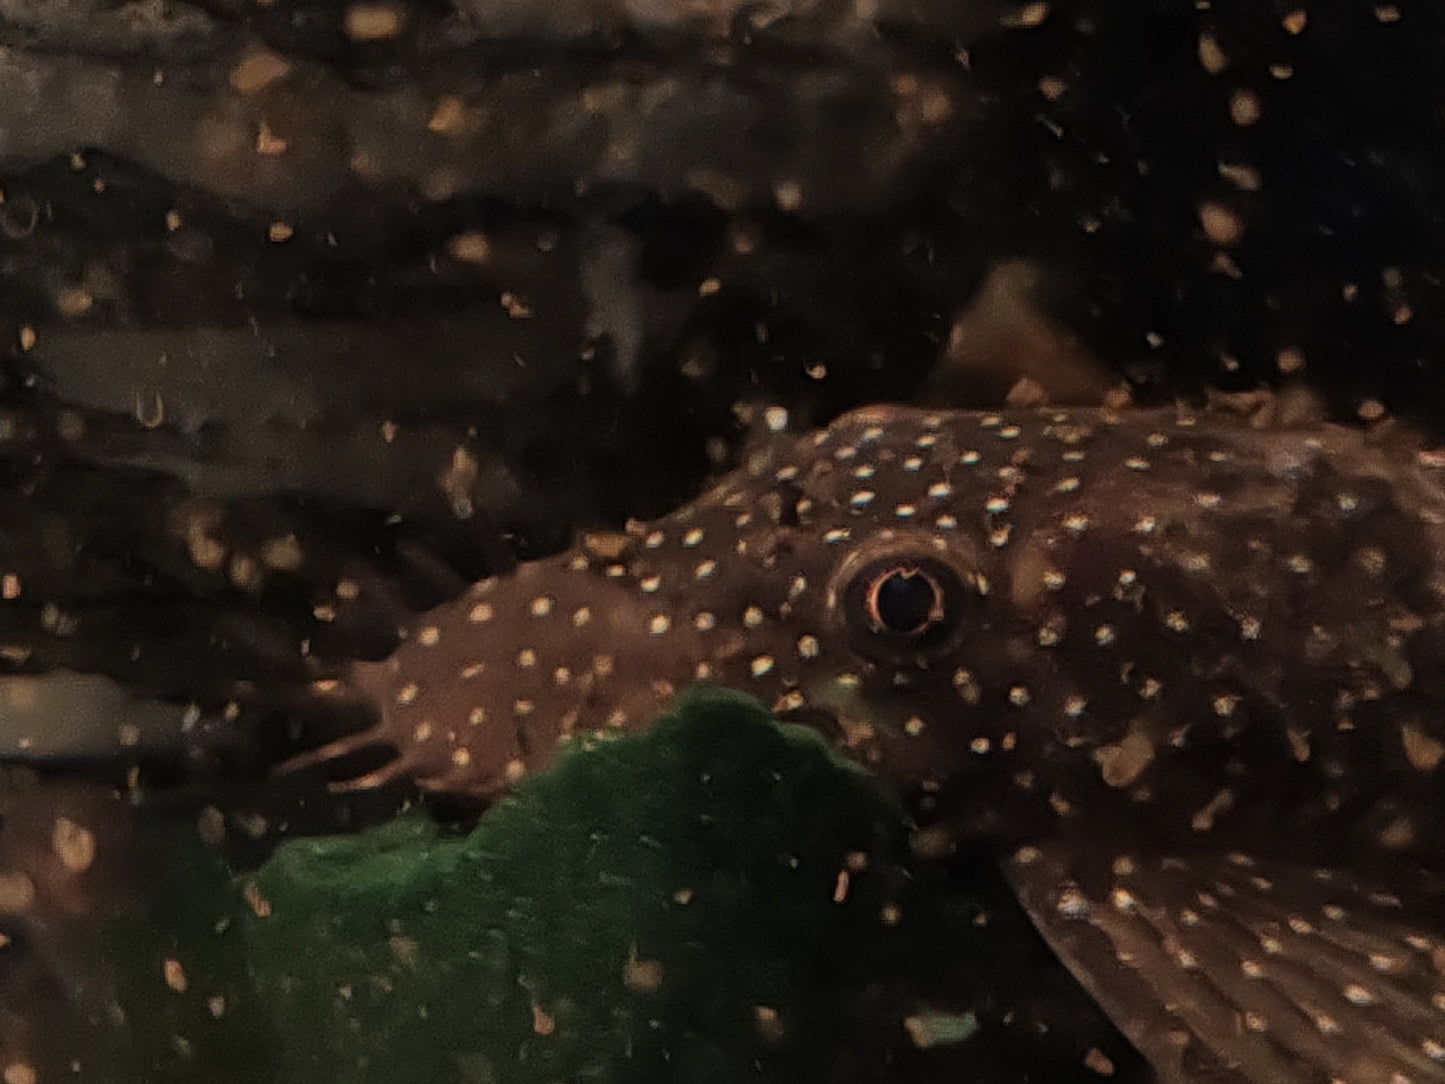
1184 672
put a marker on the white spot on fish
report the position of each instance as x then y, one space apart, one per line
1073 904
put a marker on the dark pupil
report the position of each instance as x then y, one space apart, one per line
905 601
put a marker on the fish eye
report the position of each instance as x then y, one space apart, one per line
904 600
904 607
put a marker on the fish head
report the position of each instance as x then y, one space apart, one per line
866 578
1045 612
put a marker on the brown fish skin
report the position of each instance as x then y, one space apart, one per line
1160 658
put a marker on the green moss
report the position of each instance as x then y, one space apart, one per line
664 900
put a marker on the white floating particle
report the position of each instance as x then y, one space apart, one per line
659 624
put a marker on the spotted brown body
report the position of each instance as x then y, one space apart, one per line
1185 673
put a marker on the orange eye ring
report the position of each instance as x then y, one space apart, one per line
904 600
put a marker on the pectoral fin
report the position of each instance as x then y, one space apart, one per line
1231 968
